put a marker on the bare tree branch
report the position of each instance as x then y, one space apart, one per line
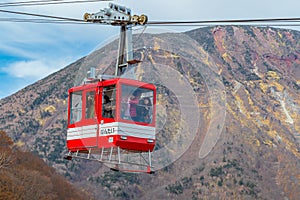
5 160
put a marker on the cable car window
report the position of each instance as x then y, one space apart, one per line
76 107
90 105
109 101
136 104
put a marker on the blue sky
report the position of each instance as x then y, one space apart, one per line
29 52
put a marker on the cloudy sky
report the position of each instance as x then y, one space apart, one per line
30 51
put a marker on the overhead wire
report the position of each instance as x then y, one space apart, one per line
46 2
39 21
199 23
40 15
225 21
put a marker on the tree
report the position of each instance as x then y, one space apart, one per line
5 159
5 140
5 150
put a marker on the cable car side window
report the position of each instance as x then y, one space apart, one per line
109 102
137 104
90 105
76 107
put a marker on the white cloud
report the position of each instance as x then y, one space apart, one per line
35 69
28 69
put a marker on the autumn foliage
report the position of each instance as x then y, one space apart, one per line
25 176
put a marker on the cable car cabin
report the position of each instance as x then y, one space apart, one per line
112 113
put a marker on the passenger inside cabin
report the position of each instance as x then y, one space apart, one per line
136 104
134 100
107 107
125 107
144 110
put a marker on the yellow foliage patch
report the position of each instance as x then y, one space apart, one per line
268 142
264 87
175 56
50 109
226 57
272 75
156 45
19 143
257 142
41 121
279 87
272 133
22 111
291 147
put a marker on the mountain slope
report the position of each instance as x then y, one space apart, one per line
255 72
25 176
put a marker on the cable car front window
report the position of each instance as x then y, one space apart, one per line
137 104
90 105
109 101
76 107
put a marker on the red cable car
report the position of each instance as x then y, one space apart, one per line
110 116
112 113
113 120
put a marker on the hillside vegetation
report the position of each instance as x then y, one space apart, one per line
25 176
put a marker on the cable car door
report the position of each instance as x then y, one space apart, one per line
83 126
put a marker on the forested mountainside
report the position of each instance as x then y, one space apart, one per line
26 176
247 86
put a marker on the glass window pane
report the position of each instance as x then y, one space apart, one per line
76 107
109 102
90 105
136 104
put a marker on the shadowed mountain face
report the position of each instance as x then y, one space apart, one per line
243 143
26 176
